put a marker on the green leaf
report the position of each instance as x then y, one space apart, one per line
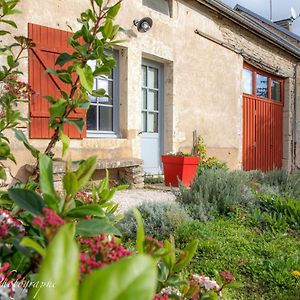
4 32
58 108
2 173
107 29
27 199
65 77
85 171
70 183
99 2
5 7
86 210
21 137
65 142
234 285
60 268
30 243
95 227
46 176
170 258
86 77
140 234
78 123
10 61
50 99
87 36
132 278
187 255
4 150
51 71
113 11
10 22
99 93
63 58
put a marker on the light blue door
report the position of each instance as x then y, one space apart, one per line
152 116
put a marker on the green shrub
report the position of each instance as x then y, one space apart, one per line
206 162
277 213
276 182
190 231
292 186
216 192
263 263
161 219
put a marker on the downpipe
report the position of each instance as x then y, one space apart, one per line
296 121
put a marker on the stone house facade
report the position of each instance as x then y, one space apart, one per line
184 74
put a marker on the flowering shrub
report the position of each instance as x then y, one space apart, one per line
8 223
11 286
204 283
100 251
159 297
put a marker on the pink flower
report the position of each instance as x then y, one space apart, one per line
159 297
100 251
7 221
205 282
227 276
3 231
4 267
50 219
39 222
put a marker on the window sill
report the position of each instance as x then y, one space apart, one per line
98 135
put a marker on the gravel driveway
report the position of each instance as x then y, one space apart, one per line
128 199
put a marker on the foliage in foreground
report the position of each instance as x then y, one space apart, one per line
262 262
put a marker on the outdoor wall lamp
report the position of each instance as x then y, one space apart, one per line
143 25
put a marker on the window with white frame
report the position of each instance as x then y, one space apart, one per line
162 6
103 114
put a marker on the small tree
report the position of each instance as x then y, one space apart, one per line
12 91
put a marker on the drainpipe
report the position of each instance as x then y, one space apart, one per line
295 136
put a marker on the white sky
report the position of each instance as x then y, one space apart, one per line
281 9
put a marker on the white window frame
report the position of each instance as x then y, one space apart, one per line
115 133
170 3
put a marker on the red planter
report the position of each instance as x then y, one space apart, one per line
179 167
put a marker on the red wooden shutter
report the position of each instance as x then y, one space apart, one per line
49 44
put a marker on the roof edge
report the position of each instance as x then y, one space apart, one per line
251 26
238 7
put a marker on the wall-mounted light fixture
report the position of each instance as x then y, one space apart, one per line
143 25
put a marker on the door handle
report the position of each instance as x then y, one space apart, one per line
140 132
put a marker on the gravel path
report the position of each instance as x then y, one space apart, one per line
128 199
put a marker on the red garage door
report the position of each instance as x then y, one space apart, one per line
262 120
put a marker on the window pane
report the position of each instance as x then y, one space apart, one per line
276 90
91 118
153 122
144 76
144 98
144 122
247 81
92 98
262 86
152 100
152 78
162 6
108 87
105 118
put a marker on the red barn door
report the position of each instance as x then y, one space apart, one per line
262 120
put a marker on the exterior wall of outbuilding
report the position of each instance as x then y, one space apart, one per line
202 80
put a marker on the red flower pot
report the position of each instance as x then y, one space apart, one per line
179 167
